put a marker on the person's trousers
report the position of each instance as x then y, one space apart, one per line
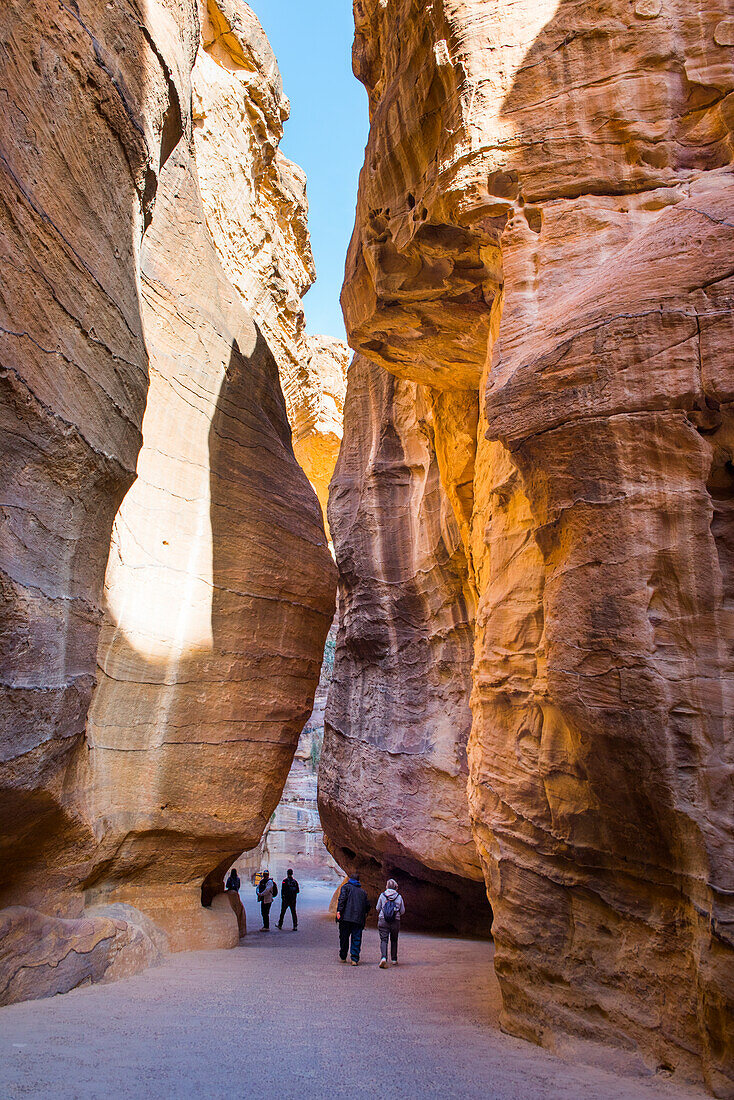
265 910
284 907
349 930
389 932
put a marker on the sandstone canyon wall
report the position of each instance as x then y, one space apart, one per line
218 571
392 781
544 222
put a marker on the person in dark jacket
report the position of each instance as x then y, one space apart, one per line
233 882
266 891
351 914
289 891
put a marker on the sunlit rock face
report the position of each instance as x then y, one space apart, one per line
318 410
392 781
254 198
219 584
544 218
256 211
219 588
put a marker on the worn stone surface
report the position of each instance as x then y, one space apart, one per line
392 781
219 585
256 211
92 106
294 836
203 674
57 955
544 218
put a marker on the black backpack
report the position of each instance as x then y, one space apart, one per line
390 909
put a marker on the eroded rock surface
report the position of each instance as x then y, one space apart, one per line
544 218
294 836
94 100
219 586
392 781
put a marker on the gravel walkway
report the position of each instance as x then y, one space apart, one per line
280 1017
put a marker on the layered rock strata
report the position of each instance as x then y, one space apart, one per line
392 781
218 592
544 219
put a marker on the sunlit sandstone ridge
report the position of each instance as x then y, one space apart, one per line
219 586
545 221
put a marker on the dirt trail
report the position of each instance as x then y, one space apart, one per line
281 1017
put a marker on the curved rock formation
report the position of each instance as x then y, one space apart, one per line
94 100
545 215
219 586
218 589
392 781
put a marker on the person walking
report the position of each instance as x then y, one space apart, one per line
233 880
351 914
289 891
390 908
266 891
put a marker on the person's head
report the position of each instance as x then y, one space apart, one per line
266 875
290 872
391 884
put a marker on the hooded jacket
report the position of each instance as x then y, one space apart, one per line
393 895
353 904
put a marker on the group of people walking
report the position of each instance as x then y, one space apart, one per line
352 908
351 915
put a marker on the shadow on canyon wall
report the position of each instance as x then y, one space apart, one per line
74 381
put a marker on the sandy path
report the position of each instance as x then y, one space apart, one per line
281 1017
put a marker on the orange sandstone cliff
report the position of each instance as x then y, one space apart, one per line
127 352
544 233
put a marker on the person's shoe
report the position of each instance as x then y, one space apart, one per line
355 962
395 962
383 964
341 960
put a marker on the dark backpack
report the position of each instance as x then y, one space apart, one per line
390 909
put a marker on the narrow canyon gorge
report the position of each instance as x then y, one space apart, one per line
529 469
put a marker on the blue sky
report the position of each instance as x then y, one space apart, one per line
326 133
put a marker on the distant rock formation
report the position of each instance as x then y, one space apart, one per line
318 411
542 250
219 585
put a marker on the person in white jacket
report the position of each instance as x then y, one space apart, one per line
390 908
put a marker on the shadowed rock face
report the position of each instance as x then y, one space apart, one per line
92 107
583 151
219 585
392 780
